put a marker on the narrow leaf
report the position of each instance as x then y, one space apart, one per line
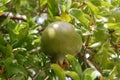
75 64
58 71
73 75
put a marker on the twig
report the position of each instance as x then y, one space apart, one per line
37 49
87 42
46 78
37 74
85 51
92 66
82 4
39 8
13 16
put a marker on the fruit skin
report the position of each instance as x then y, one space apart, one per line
60 38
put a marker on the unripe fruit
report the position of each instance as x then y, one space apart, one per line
60 38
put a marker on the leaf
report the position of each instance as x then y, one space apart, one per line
5 1
16 4
96 44
21 37
52 8
64 17
75 64
72 75
100 34
68 4
75 5
18 77
42 2
2 41
97 3
92 73
114 26
106 4
6 50
115 14
113 73
1 13
3 8
94 9
58 71
15 69
79 15
19 57
87 77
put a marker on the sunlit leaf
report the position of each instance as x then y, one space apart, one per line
92 73
58 71
74 64
94 9
43 2
2 41
73 75
52 8
79 15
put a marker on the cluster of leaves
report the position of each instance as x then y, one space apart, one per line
21 57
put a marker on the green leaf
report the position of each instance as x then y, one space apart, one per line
2 41
64 17
79 15
92 73
87 77
97 3
3 8
114 26
42 2
75 5
6 50
113 73
18 77
68 4
15 69
115 14
52 8
20 58
75 64
94 9
21 37
100 34
58 71
16 4
96 44
72 75
5 1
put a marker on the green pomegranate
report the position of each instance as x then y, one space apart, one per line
60 38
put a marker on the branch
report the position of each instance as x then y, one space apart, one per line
37 74
46 78
92 66
39 1
13 16
41 10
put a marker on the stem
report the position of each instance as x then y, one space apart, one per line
37 74
39 1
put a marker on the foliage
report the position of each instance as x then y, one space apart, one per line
21 26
